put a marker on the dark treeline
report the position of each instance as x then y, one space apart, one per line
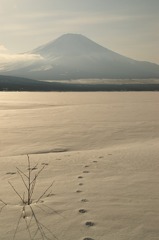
8 83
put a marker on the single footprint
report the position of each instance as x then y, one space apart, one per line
101 157
46 164
89 224
84 200
50 195
86 166
11 173
88 238
85 171
78 191
82 211
80 177
80 184
95 161
33 168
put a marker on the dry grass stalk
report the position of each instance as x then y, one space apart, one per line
4 204
29 181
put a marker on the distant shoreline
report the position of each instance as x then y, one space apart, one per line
61 87
8 83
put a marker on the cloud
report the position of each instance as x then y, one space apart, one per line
3 49
7 57
8 60
19 57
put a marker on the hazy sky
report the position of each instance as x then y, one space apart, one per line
129 27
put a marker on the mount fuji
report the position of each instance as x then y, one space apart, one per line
74 56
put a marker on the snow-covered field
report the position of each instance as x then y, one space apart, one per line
101 152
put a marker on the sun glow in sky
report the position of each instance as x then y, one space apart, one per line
127 27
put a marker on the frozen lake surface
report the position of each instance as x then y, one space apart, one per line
48 122
101 152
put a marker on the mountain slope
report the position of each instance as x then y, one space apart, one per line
12 83
73 56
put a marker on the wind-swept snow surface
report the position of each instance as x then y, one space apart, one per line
100 150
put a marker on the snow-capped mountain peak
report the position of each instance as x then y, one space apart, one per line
74 56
